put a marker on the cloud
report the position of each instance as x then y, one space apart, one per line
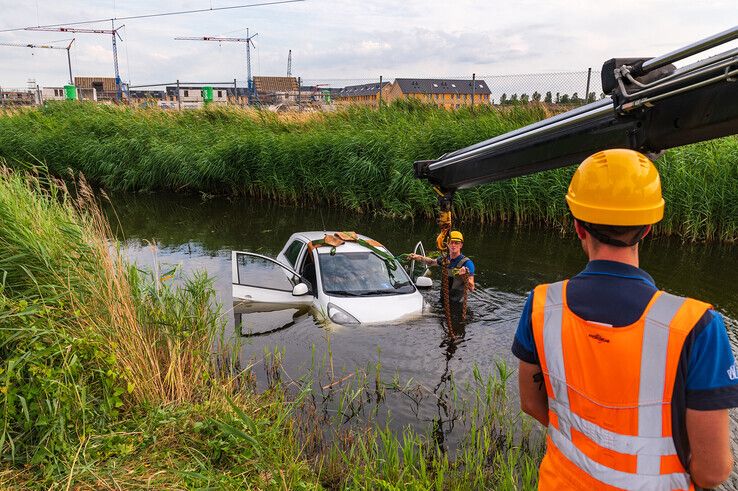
424 50
357 38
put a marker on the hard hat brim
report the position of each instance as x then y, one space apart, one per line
617 217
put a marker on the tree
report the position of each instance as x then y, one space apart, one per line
558 98
524 98
549 98
591 97
503 99
564 98
514 99
536 97
575 98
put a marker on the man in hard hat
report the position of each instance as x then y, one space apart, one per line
633 383
460 268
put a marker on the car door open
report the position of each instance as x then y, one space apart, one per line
262 284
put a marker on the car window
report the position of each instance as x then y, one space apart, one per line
361 274
308 273
293 251
262 273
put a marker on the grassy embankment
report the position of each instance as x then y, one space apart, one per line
360 159
108 381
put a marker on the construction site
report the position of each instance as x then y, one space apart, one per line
278 260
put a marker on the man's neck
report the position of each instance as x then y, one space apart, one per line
452 256
624 255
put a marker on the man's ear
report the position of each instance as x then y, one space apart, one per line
648 231
581 233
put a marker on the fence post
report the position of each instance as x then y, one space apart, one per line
2 99
474 86
179 101
299 93
380 92
586 92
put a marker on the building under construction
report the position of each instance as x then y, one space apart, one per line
276 90
105 87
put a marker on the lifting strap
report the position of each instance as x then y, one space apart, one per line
339 238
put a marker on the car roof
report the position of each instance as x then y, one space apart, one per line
317 235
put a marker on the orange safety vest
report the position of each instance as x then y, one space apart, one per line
609 394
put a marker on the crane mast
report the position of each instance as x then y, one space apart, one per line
112 32
249 42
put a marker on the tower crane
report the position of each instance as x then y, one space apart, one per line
48 46
249 42
114 34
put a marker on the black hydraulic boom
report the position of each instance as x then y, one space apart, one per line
650 106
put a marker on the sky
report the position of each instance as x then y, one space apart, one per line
352 41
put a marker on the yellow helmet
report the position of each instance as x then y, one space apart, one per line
616 187
456 236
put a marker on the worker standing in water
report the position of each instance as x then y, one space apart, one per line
460 268
633 383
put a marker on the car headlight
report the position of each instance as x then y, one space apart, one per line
340 316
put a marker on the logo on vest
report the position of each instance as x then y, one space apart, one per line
600 339
733 372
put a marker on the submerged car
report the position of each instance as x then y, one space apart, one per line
356 281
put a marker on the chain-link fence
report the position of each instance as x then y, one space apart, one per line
555 87
566 88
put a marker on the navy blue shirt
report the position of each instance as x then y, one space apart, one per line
617 294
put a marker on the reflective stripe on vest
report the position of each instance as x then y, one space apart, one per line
649 445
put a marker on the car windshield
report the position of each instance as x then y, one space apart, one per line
361 274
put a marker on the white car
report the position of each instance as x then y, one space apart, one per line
348 284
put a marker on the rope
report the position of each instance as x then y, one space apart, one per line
342 237
444 221
445 287
466 289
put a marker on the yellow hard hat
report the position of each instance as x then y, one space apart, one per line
616 187
456 236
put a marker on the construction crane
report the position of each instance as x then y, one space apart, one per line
249 42
652 106
112 32
48 46
289 64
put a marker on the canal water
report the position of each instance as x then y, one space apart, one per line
200 235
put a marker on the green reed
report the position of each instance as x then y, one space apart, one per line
338 423
107 377
356 158
111 378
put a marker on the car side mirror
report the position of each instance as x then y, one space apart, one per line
300 289
423 282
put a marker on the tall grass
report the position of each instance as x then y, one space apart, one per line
357 158
352 449
108 381
102 364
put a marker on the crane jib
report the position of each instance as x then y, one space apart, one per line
646 110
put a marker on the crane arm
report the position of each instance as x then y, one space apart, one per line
651 106
21 45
